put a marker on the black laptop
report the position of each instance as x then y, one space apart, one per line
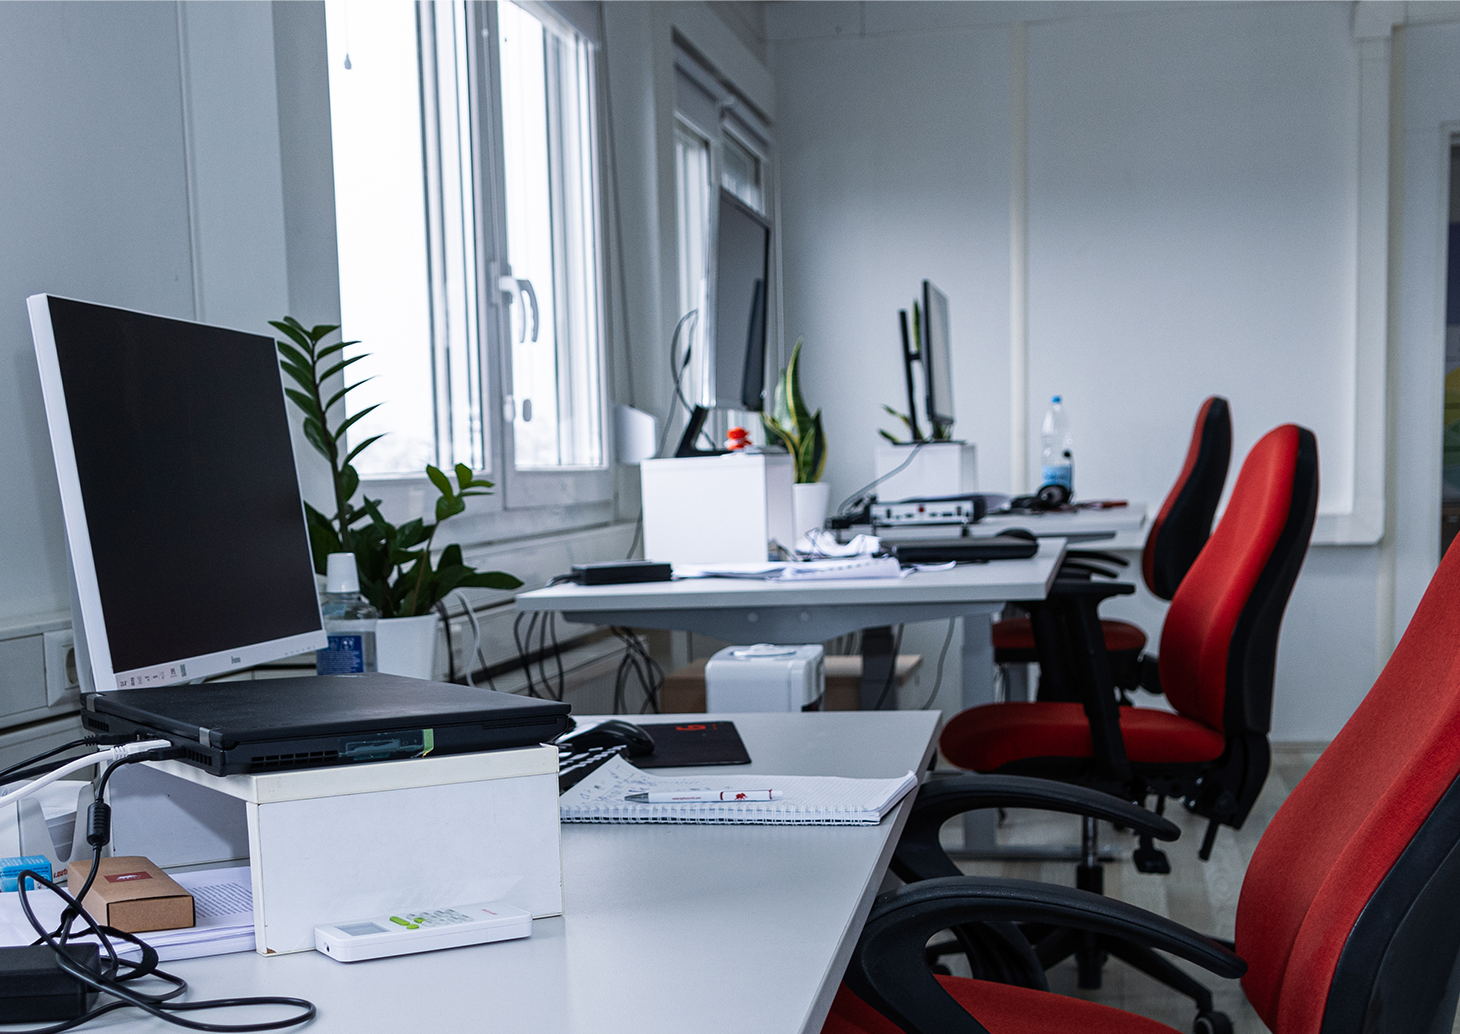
274 724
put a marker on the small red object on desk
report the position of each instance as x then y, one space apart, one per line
737 438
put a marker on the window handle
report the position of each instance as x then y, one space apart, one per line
525 287
513 288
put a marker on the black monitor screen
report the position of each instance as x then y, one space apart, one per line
742 261
188 483
937 356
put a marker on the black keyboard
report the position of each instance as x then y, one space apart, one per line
574 765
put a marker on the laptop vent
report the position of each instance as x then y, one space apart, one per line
199 758
263 762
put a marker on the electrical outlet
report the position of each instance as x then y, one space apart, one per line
62 680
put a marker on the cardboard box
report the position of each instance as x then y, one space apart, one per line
133 895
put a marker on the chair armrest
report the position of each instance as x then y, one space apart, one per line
920 856
1074 567
1082 588
1099 555
888 972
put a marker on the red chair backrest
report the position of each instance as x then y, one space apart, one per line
1185 521
1355 877
1219 642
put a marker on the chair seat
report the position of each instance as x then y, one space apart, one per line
985 739
1018 634
1002 1009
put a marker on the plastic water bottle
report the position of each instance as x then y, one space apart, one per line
1057 465
349 621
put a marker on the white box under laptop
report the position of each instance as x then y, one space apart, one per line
330 844
716 509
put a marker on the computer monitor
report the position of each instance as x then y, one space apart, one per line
937 358
737 339
183 514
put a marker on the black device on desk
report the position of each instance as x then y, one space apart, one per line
966 549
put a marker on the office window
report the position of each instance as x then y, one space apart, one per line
692 223
423 115
551 194
740 173
719 142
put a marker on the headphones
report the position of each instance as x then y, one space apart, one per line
1049 497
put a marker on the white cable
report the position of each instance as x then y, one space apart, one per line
101 757
476 641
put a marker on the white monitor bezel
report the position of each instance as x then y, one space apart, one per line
86 602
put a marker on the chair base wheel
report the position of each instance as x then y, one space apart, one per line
1151 860
1212 1023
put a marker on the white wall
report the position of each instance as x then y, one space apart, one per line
95 206
1194 199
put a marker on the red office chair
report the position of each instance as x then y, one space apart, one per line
1347 918
1176 537
1218 655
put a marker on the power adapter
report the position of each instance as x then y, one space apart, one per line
617 572
33 986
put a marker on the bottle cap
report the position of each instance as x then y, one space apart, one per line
1055 399
341 575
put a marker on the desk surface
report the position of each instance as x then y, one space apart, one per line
667 928
996 581
1124 526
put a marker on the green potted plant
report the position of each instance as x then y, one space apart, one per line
397 573
793 425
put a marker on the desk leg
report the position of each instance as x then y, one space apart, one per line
877 667
978 688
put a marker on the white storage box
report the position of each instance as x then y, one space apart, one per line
716 509
939 469
764 677
331 844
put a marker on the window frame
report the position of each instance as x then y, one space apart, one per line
524 502
711 109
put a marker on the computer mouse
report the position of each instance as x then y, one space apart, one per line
1019 533
612 733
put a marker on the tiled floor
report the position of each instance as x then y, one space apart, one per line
1202 895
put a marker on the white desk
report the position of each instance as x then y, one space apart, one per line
667 928
746 611
1121 527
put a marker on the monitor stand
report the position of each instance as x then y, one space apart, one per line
687 446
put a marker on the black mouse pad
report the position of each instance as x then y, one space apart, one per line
693 743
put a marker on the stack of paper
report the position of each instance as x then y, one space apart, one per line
804 800
223 906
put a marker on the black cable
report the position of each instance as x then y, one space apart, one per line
107 981
542 657
891 670
450 647
5 774
523 652
943 653
558 656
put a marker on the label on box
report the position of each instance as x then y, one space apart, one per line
124 876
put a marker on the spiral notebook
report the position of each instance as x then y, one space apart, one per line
808 800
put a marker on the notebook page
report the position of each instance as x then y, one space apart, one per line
808 800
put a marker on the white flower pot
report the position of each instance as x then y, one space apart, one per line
808 506
406 646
